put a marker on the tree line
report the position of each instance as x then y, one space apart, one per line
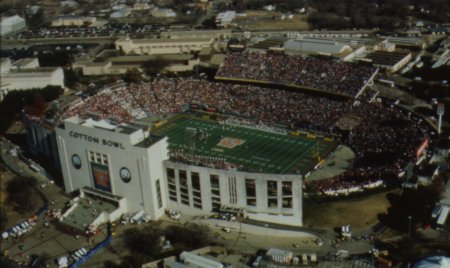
144 243
345 14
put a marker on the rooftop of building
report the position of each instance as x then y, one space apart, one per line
30 72
24 61
12 19
317 46
386 58
171 40
269 42
86 209
103 124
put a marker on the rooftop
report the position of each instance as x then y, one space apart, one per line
269 42
32 72
12 19
24 61
86 210
171 40
386 58
318 46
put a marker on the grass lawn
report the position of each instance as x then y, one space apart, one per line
250 149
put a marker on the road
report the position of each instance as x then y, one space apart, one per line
14 43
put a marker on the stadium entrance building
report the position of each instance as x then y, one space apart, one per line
120 160
132 163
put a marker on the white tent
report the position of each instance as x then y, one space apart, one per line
63 262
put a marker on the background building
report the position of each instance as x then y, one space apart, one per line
25 63
162 46
163 13
73 21
28 77
312 46
11 25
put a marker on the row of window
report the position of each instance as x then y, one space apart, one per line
250 188
184 187
98 158
272 188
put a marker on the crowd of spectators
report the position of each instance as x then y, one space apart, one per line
313 73
353 180
183 155
384 138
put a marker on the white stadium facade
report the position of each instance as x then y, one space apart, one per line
132 164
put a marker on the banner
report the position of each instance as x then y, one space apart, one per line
100 175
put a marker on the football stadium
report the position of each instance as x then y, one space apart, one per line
239 147
242 147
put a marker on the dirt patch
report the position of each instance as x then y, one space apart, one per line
271 20
13 215
359 213
5 177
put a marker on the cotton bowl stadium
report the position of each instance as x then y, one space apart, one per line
246 146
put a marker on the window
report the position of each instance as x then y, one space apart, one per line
250 187
173 195
272 202
170 173
198 202
184 190
185 199
98 158
286 188
183 178
195 179
172 184
214 179
272 189
287 202
158 193
196 192
251 202
215 192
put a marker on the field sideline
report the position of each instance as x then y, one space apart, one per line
249 149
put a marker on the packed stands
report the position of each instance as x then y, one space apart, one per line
342 78
383 137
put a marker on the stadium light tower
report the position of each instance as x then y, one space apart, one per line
440 112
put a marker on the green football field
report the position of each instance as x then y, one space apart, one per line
251 149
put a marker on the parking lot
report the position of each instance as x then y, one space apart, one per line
85 31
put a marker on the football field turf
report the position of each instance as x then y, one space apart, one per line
249 149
